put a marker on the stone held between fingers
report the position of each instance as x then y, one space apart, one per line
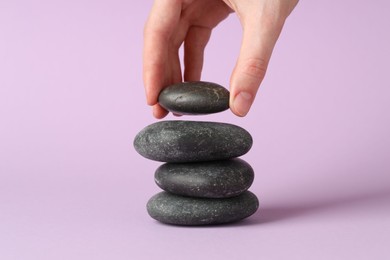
194 98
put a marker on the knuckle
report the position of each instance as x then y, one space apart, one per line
255 67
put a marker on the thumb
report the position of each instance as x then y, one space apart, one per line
258 41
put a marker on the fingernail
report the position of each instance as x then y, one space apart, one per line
242 103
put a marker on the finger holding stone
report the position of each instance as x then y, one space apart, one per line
158 30
194 45
159 112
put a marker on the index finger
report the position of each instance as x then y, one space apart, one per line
165 14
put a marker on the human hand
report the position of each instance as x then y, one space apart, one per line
172 22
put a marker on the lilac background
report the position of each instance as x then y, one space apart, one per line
72 100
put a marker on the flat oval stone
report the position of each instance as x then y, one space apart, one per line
179 210
194 98
215 179
192 141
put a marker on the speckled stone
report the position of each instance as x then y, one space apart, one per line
191 141
194 98
216 179
179 210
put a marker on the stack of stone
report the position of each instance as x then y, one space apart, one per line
203 180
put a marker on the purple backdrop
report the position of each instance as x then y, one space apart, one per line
72 100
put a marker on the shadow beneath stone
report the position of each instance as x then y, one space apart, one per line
300 209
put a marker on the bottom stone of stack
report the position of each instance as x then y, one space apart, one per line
180 210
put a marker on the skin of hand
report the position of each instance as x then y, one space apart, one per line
174 22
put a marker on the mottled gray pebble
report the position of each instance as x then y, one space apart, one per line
215 179
179 210
194 98
191 141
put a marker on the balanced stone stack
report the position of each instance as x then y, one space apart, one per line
203 180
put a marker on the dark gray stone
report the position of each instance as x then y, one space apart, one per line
179 210
194 98
216 179
191 141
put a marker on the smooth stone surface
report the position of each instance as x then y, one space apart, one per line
194 98
179 210
216 179
191 141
